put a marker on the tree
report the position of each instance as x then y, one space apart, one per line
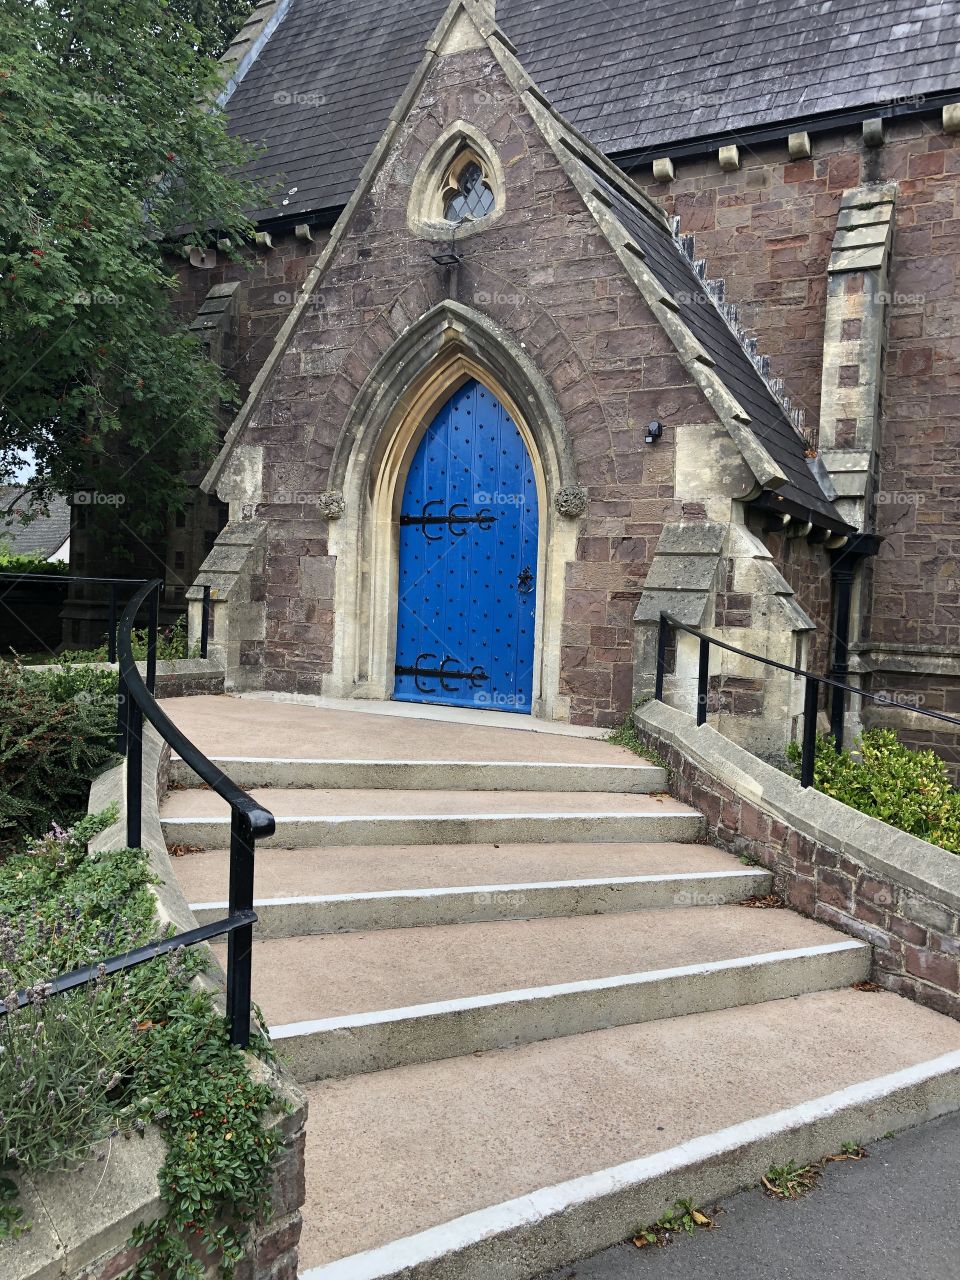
216 21
110 150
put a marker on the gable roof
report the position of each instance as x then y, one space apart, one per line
628 74
688 311
698 309
43 536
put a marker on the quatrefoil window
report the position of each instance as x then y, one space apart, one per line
468 194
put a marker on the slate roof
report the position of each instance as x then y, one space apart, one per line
700 313
43 536
629 74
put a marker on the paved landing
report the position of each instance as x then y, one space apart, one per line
253 727
891 1215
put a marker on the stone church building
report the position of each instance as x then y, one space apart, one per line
566 314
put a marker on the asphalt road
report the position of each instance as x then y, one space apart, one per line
892 1216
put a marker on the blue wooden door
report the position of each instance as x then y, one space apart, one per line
468 561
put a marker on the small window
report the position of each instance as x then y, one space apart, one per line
468 195
459 187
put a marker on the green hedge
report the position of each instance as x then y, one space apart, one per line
32 564
57 732
909 789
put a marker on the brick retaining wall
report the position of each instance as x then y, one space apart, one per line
915 935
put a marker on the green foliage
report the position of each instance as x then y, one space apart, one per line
789 1181
625 735
57 732
124 1052
109 150
10 563
171 645
682 1217
909 789
216 22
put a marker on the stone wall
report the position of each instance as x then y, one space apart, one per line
768 228
830 862
550 282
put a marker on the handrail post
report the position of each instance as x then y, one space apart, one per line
240 941
112 625
662 636
703 680
134 772
153 623
123 698
205 621
811 692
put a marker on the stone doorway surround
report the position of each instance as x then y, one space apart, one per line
434 357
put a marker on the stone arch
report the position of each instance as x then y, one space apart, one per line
428 362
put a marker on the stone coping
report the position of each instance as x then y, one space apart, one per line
84 1215
887 852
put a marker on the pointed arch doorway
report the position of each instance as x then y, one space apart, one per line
468 560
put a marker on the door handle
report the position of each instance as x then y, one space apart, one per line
525 580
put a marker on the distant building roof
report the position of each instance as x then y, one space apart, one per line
629 74
43 536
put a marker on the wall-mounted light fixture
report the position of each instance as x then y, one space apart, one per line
654 432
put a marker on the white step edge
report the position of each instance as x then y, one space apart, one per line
312 914
324 1048
437 775
555 1226
309 830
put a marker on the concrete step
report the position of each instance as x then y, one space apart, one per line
312 891
502 1165
347 816
368 1001
636 776
282 728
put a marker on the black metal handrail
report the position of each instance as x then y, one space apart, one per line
811 688
250 821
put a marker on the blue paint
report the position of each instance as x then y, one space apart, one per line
468 561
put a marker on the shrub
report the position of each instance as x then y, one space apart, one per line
10 563
909 789
171 644
121 1053
57 732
